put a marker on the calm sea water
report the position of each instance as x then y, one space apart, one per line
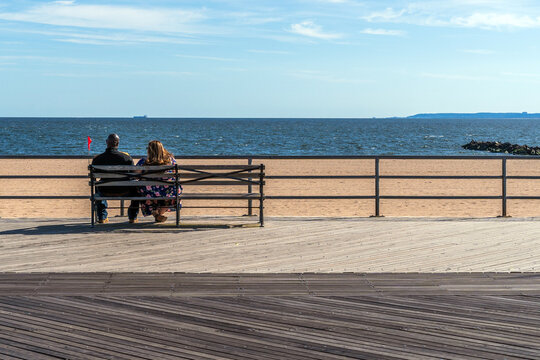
67 136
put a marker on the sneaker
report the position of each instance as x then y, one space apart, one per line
103 221
133 221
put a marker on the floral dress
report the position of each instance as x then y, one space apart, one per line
158 190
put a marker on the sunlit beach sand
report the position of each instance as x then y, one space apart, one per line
331 187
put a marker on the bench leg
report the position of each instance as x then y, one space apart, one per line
261 214
177 213
93 212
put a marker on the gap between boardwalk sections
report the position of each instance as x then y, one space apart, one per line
376 176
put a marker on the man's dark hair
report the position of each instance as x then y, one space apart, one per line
113 140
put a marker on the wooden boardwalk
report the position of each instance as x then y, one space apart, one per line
296 289
289 245
272 316
305 284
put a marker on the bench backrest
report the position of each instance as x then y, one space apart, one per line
130 175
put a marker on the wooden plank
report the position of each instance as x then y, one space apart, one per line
263 284
273 327
193 332
284 245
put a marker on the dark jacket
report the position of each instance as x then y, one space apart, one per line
112 156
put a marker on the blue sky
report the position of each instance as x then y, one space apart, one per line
297 58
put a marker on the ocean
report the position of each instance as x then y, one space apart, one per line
228 136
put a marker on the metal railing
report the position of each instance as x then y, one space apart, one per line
376 176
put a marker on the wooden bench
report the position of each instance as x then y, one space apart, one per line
123 176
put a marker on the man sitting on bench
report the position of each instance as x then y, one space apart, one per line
112 156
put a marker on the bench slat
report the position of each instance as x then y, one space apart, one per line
128 183
221 183
108 168
193 196
218 167
130 176
134 183
182 175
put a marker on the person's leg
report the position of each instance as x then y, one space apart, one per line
159 210
163 206
101 209
133 210
162 210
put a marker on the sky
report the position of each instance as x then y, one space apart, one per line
259 58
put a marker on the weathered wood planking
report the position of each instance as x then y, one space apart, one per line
204 285
266 327
284 245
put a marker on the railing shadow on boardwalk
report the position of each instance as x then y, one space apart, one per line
85 228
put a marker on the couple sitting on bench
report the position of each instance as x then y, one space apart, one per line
156 155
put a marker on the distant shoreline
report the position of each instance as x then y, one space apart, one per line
449 116
481 115
438 116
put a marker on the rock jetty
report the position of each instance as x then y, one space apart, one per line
506 148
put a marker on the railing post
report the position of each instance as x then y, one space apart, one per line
250 202
176 189
92 206
504 187
377 189
261 192
122 208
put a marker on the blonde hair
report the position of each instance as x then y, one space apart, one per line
157 154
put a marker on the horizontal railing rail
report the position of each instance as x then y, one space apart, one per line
495 156
376 176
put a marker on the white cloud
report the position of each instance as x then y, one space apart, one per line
79 75
110 38
310 29
455 77
109 17
83 41
493 20
521 75
250 18
61 60
383 32
119 74
164 73
386 15
484 14
212 58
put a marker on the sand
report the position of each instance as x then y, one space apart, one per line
362 208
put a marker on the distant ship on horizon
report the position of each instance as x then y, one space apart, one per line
140 117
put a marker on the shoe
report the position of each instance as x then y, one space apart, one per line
103 221
133 221
160 218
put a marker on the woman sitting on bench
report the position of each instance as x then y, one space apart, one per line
157 155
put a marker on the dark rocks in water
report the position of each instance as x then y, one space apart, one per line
506 148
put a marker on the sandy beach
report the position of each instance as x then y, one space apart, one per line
274 207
